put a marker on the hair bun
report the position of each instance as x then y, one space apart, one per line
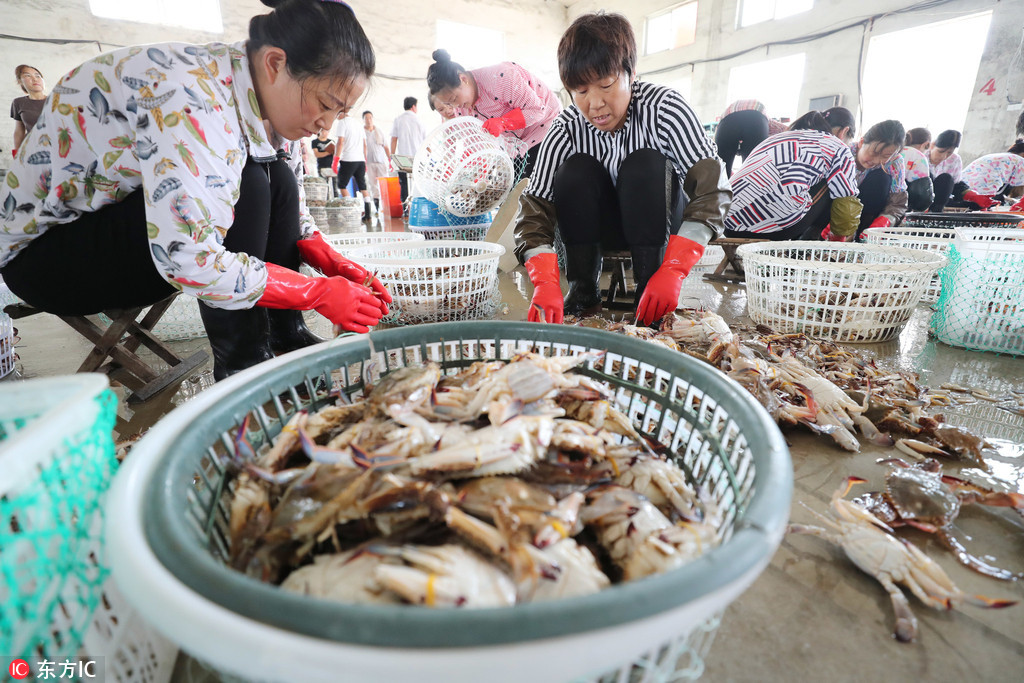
441 56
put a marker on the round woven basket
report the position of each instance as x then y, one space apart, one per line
928 239
436 281
843 292
463 169
167 521
345 217
316 188
345 243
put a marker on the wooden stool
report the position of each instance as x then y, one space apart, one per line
617 286
114 348
729 246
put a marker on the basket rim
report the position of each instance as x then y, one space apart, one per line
486 251
146 505
373 237
916 259
906 233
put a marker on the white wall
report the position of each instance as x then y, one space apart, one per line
832 62
401 31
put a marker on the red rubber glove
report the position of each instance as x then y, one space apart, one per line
1019 206
829 236
511 121
984 201
351 306
318 253
662 293
881 222
547 292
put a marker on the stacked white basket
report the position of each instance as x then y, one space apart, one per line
348 242
929 239
6 331
982 302
843 292
317 191
695 292
439 280
472 232
345 214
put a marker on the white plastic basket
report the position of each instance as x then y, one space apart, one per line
6 345
929 239
463 169
347 242
437 281
982 302
319 216
316 188
56 599
168 542
843 292
346 217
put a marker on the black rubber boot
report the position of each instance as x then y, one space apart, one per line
583 271
239 339
646 260
288 331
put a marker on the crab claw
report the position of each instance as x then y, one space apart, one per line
991 603
852 481
243 449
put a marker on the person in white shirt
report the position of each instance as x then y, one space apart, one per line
376 152
920 191
407 134
175 168
352 160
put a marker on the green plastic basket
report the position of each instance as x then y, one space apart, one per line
169 545
56 599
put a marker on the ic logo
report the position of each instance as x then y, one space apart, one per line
19 669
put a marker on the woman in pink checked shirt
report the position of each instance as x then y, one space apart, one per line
506 97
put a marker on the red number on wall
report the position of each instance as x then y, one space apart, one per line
989 88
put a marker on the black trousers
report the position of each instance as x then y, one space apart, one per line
352 169
102 260
943 185
528 161
640 209
739 133
874 195
920 194
403 183
809 227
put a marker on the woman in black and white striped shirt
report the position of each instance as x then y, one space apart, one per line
628 166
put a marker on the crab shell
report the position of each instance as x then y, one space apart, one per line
921 496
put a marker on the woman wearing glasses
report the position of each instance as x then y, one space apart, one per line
881 175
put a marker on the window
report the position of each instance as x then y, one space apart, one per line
775 82
471 46
936 97
671 29
755 11
684 86
202 15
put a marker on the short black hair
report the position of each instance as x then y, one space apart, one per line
1017 147
918 136
948 139
889 133
596 46
320 39
409 103
367 112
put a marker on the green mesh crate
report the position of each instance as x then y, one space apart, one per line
169 544
982 302
56 599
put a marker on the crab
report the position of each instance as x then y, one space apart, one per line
920 496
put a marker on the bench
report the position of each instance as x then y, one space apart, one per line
115 344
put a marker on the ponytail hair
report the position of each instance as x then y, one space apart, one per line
948 139
443 74
320 39
918 136
812 120
1017 147
889 133
840 117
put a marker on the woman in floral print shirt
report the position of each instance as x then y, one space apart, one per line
173 167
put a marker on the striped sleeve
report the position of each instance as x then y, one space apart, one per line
554 150
842 173
681 133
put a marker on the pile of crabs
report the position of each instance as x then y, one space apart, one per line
836 392
505 483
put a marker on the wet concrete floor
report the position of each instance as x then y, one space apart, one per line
811 614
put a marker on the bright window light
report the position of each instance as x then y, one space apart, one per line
202 15
755 11
471 46
684 86
941 93
671 29
775 82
